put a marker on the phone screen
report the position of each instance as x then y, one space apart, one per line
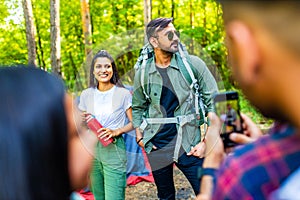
228 109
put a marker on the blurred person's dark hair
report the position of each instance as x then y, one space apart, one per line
279 17
33 135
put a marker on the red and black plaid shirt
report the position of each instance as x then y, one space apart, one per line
256 169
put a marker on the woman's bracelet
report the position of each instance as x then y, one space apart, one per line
139 140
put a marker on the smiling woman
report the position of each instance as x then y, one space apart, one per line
110 103
103 59
103 73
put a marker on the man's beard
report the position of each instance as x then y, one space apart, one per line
170 50
167 52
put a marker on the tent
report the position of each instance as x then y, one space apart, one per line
138 167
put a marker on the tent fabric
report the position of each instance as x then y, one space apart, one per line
138 167
84 194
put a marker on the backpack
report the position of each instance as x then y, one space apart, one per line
147 54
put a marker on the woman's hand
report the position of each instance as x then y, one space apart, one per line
83 116
106 133
139 137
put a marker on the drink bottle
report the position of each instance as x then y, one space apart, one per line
95 126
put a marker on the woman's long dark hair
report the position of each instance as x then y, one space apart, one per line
33 135
115 79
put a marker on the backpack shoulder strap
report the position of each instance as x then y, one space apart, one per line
145 79
145 56
189 74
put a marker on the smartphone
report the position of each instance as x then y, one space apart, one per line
228 109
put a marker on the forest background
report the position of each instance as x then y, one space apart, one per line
61 36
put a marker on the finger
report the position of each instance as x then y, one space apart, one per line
102 134
108 136
250 127
246 119
240 138
199 152
102 129
191 151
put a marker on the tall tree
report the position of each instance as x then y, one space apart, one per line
87 33
40 50
30 31
172 8
191 24
147 14
55 37
86 26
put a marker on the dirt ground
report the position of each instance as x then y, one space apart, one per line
147 191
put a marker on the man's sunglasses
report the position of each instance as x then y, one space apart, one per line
170 35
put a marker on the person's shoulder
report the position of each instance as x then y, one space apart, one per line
197 60
123 90
88 91
197 63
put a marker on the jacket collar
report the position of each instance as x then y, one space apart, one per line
172 64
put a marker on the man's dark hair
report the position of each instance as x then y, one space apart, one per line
157 25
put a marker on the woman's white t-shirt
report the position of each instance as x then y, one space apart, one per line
108 107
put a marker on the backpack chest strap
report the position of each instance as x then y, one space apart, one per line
180 120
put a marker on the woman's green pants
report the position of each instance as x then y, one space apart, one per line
108 175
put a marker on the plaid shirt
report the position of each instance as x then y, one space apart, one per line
257 169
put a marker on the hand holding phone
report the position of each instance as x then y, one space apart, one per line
251 132
228 109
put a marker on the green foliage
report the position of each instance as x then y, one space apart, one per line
72 46
12 34
117 26
41 12
112 23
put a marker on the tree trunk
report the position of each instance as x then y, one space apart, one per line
173 9
40 50
147 15
192 26
86 26
204 38
55 37
30 32
87 34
